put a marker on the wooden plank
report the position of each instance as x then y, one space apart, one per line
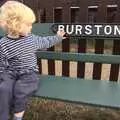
65 64
39 65
99 45
114 71
49 19
93 92
81 65
66 18
97 67
83 57
83 17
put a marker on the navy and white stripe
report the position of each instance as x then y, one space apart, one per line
20 53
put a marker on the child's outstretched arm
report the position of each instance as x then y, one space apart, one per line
49 41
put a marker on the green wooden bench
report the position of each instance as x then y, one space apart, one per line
94 92
75 90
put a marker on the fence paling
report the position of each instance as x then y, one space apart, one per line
97 67
81 65
114 71
51 63
65 43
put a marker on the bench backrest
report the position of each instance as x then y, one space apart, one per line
82 46
79 57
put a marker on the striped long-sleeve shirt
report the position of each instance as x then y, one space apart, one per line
20 53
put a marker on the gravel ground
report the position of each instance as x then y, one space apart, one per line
41 109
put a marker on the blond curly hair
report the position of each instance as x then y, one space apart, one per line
13 14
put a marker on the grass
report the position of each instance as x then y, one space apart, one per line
41 109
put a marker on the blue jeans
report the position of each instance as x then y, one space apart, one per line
15 89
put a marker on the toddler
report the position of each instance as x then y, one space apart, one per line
18 63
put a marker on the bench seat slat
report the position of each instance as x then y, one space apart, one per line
83 57
94 92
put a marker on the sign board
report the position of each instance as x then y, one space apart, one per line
89 30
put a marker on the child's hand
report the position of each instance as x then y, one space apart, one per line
61 33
